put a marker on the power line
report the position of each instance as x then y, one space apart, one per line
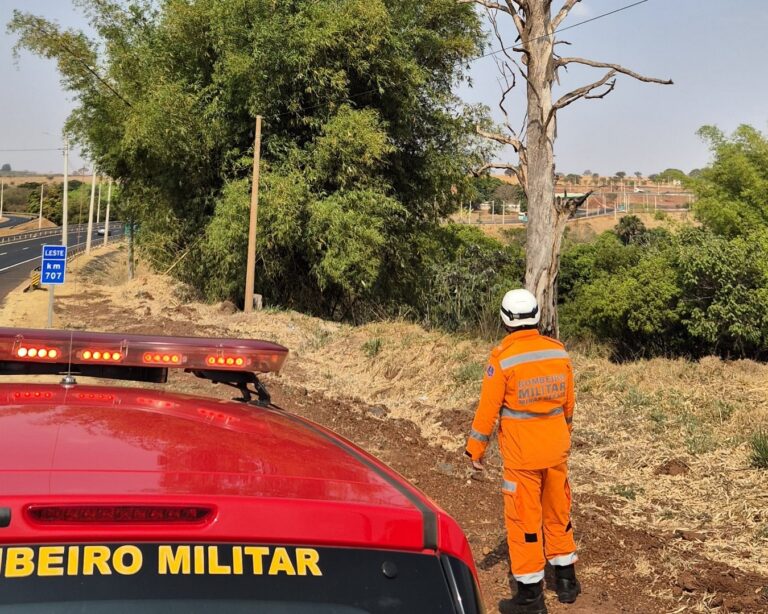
591 19
360 94
574 25
33 149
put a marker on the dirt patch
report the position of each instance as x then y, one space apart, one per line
26 227
672 467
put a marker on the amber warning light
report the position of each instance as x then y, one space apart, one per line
115 351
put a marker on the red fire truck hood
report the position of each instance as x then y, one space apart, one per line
270 475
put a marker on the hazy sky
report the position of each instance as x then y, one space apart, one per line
713 49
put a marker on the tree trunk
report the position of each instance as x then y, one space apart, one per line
545 222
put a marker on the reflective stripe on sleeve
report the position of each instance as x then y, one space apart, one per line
520 359
509 486
564 559
519 414
479 436
530 578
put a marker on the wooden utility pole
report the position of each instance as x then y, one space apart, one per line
250 273
2 196
65 196
89 232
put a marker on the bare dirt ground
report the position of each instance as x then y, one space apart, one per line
26 227
668 514
579 229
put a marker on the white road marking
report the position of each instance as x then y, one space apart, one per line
35 258
19 263
3 253
23 248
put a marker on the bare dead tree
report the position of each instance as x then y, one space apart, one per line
533 58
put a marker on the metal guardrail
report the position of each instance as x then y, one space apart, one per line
50 232
72 253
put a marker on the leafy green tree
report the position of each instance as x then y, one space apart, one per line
691 294
573 178
484 188
52 203
630 229
731 193
507 193
468 274
583 263
6 168
724 285
363 138
671 174
621 174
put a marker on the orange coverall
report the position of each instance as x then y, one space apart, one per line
528 384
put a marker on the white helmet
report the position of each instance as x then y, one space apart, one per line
519 308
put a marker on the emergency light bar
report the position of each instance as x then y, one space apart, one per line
74 350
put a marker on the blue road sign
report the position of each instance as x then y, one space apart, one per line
54 267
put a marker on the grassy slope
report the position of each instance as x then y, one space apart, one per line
666 440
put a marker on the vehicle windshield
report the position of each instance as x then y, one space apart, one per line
189 606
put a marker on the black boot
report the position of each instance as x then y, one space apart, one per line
566 584
528 600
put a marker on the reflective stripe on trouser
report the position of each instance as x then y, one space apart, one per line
537 514
565 559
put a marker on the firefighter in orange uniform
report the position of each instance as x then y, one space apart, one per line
528 385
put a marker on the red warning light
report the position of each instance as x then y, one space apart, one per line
225 361
151 358
93 355
148 351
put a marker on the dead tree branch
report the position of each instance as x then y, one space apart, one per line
505 49
585 92
503 139
499 165
563 13
570 204
487 4
617 67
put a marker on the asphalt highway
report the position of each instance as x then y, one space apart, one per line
14 220
19 258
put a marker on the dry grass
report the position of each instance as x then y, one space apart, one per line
26 227
630 419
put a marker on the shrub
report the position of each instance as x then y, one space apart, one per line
758 444
469 373
372 347
692 294
628 491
